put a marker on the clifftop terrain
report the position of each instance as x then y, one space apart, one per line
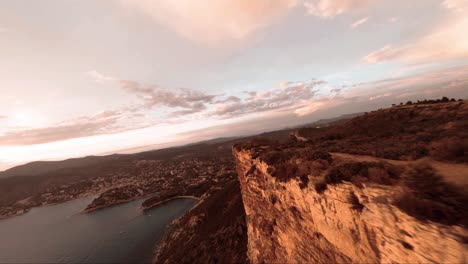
382 187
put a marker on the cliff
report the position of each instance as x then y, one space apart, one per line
385 187
304 219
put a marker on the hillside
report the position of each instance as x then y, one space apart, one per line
401 133
44 167
381 187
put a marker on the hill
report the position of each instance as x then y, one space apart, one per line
378 188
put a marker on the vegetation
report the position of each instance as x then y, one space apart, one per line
320 186
359 172
400 133
436 101
354 201
429 197
286 164
452 148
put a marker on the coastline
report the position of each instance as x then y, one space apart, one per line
147 207
90 210
26 210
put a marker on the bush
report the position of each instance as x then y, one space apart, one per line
429 197
303 181
316 155
275 157
377 172
320 187
449 149
354 201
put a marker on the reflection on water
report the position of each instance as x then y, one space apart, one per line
59 234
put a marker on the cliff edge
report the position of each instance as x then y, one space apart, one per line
305 204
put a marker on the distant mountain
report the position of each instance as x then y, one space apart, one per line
214 141
329 121
42 167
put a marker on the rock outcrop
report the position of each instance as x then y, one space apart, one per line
297 211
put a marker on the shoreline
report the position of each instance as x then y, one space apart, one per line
90 210
27 210
145 208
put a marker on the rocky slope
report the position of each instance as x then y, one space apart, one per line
214 231
306 204
295 222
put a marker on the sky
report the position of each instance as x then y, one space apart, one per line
87 77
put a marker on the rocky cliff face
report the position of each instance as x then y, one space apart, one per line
298 211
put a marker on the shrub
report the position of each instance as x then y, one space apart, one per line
303 181
320 187
354 201
429 197
316 155
377 172
261 141
275 157
449 149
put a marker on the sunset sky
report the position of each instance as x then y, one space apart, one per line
91 77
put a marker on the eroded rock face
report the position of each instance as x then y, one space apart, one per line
288 221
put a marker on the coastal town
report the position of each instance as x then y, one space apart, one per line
191 173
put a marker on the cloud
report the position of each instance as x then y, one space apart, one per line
187 101
384 54
193 101
214 22
446 42
284 95
314 106
99 77
231 98
299 99
383 93
447 82
359 22
379 96
455 5
107 122
332 8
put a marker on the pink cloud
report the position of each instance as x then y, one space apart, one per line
332 8
214 22
99 77
107 122
284 96
455 5
359 22
446 42
314 106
